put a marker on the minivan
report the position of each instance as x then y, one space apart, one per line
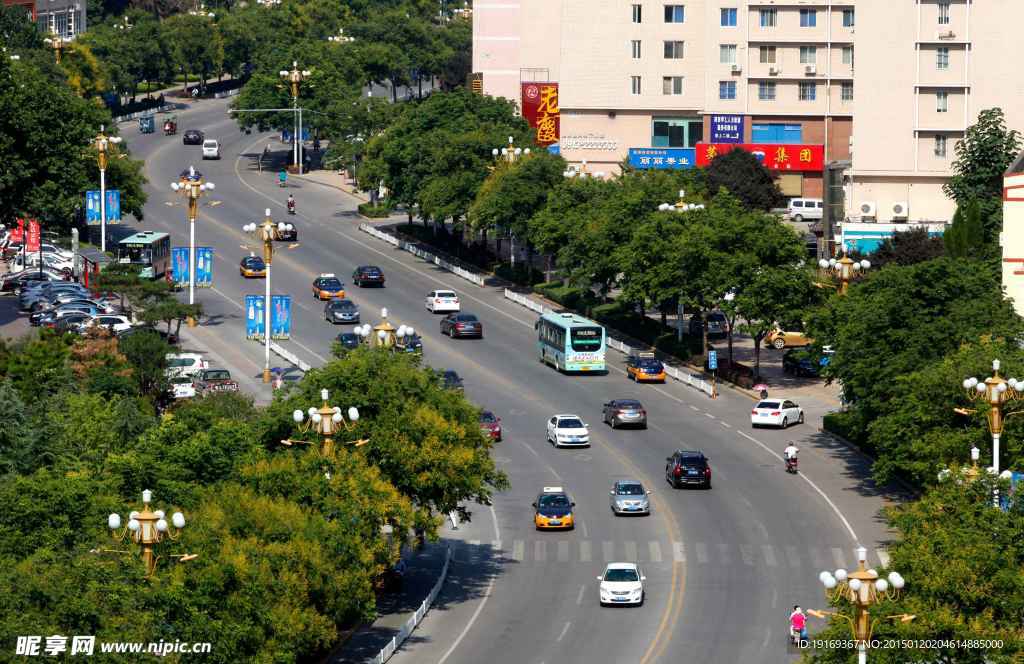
211 149
805 208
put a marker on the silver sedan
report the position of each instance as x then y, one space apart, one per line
629 497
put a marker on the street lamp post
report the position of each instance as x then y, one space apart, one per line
995 392
295 77
341 37
845 269
862 588
325 422
510 154
680 206
266 232
192 185
57 43
147 529
102 143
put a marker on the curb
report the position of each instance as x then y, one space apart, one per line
333 186
418 615
856 448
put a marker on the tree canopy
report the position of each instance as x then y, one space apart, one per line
746 178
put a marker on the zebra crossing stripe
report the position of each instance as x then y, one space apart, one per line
747 553
518 550
608 551
563 551
631 552
702 553
723 554
540 551
679 552
839 557
655 547
769 555
474 551
585 553
883 557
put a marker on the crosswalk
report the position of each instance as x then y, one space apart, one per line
553 550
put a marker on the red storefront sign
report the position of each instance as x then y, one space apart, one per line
32 243
540 108
790 157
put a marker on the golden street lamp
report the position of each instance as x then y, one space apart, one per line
192 185
845 269
862 588
510 153
266 232
325 422
680 205
969 473
148 529
995 392
381 335
294 78
103 143
57 43
341 37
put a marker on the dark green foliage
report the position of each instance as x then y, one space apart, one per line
905 248
965 238
746 178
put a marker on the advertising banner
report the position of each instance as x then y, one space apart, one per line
179 265
32 239
792 157
540 108
286 135
18 234
93 210
661 158
113 206
204 267
726 129
254 317
280 316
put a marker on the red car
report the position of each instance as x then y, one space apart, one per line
490 425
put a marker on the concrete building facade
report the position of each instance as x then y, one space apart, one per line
1011 239
637 74
66 18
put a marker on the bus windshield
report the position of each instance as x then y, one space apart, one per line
135 254
586 338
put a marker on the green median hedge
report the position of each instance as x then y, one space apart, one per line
375 211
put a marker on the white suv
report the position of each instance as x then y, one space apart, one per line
211 149
442 300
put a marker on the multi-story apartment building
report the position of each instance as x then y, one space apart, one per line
65 18
661 78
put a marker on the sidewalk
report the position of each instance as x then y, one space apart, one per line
395 608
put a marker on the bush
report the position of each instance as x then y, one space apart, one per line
845 425
570 297
519 275
375 211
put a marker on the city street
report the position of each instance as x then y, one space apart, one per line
724 567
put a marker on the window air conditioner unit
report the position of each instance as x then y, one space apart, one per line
810 69
736 69
946 34
899 210
867 211
774 71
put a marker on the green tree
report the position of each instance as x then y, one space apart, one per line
982 157
905 248
770 297
965 238
147 353
172 312
17 30
516 191
745 177
197 46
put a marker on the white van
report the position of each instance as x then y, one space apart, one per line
184 364
801 209
211 149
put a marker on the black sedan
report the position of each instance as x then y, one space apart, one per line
348 340
451 380
462 325
341 311
619 412
368 275
192 137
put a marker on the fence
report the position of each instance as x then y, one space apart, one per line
694 380
414 620
148 111
290 356
415 250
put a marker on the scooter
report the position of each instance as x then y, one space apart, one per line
291 207
791 465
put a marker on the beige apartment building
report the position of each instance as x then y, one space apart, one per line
660 83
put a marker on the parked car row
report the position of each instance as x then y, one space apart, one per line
190 375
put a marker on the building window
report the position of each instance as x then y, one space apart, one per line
674 50
942 57
775 133
729 17
671 85
941 102
808 55
940 146
768 17
808 18
634 84
766 91
677 132
637 13
808 91
635 48
943 13
727 54
674 14
767 55
847 18
727 89
846 91
848 55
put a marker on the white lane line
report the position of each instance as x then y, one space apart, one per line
883 557
725 424
693 408
678 552
655 548
563 551
583 527
585 552
839 557
769 555
747 553
579 596
496 551
565 630
709 416
750 438
518 550
540 551
479 607
474 552
702 553
631 551
608 551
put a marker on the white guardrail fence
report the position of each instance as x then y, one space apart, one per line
290 356
425 255
414 620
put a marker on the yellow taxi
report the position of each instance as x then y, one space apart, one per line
553 510
645 367
252 266
327 286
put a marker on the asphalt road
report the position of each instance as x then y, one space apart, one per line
723 566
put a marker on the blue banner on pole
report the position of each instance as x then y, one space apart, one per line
286 135
254 317
113 206
280 316
726 129
204 267
712 359
662 158
179 265
92 207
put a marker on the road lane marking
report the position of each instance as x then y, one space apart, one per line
724 558
585 552
579 597
564 631
540 551
725 424
655 548
678 552
702 553
709 416
608 551
583 527
693 408
747 553
631 552
769 555
474 552
518 550
496 549
563 551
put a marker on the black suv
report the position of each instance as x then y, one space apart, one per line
802 362
718 325
192 137
688 467
368 275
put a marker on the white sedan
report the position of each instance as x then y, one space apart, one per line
114 323
183 387
439 301
622 583
568 431
776 413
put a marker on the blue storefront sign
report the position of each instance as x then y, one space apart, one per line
204 267
280 316
92 207
726 129
286 135
254 317
555 148
179 265
713 359
662 158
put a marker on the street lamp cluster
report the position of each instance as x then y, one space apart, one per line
294 79
147 529
845 269
341 37
510 153
680 205
57 43
192 185
325 422
103 143
581 172
266 232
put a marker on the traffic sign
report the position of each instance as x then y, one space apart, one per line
713 360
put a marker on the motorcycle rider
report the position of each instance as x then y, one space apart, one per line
790 455
282 177
291 204
797 625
